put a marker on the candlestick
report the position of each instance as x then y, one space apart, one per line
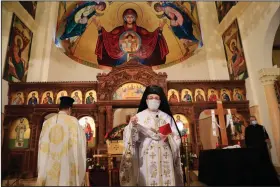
187 168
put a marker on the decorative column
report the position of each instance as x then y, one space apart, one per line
109 117
36 124
268 77
101 124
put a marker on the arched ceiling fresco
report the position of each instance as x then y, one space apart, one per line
106 34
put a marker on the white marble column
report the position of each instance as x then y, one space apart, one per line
268 77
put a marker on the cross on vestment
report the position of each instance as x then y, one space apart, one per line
167 183
152 155
165 155
221 112
153 183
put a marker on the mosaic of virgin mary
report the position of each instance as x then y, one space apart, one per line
153 48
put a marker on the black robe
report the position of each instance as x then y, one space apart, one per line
255 136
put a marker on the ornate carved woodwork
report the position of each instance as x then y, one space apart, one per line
131 71
102 110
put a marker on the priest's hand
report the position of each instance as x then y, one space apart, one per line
134 120
163 137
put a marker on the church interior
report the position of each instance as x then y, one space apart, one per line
217 62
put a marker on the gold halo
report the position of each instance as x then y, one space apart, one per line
16 38
153 9
133 6
107 6
231 42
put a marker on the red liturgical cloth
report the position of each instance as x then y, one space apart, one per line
165 129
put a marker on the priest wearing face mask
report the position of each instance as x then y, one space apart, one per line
152 144
256 135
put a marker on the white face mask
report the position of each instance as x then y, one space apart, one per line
153 104
254 122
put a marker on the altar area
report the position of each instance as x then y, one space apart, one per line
104 107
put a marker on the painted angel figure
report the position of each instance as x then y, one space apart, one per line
180 23
75 27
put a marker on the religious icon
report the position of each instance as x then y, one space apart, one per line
33 98
173 95
78 20
17 99
237 95
182 21
212 94
77 96
153 44
234 53
179 123
47 97
91 97
17 58
130 42
239 127
225 95
129 91
19 133
118 32
186 95
88 126
20 130
60 94
199 95
88 130
183 125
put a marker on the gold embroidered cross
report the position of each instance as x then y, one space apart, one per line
166 172
165 155
153 183
167 183
152 155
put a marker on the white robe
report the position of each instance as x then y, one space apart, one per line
147 160
62 152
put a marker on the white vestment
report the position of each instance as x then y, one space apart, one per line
147 160
62 152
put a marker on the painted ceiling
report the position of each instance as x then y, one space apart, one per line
106 34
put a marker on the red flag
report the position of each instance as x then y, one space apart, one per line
165 129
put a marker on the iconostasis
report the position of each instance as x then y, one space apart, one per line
202 95
131 91
48 97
